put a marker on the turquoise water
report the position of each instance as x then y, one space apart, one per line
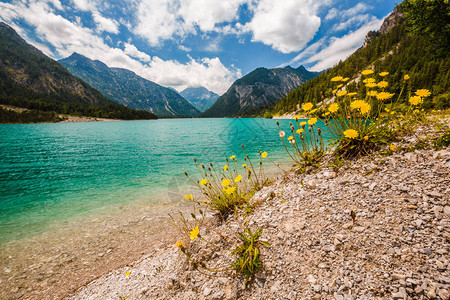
53 172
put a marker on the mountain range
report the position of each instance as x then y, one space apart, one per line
200 97
29 79
127 88
258 88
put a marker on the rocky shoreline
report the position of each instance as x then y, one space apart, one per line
397 247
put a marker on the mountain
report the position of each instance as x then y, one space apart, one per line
127 88
398 48
29 79
200 97
258 88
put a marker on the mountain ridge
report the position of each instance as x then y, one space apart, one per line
200 97
126 87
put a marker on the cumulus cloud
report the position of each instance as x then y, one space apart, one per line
286 25
67 37
105 24
84 5
132 51
340 48
354 21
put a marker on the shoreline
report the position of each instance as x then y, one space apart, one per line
395 248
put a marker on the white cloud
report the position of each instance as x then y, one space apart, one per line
184 48
84 5
308 52
105 24
68 37
332 13
340 48
286 25
357 9
131 50
357 20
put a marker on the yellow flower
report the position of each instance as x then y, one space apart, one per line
226 182
334 91
297 117
333 107
384 96
188 197
351 94
307 106
367 72
342 93
299 130
179 244
230 190
406 77
337 78
345 79
264 155
232 156
356 104
203 182
382 74
313 111
312 121
302 124
382 84
127 274
195 232
372 93
351 133
392 147
282 134
238 178
386 109
339 85
371 85
327 113
364 108
415 100
366 138
225 167
290 138
244 165
423 93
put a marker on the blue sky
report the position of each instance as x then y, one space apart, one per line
189 43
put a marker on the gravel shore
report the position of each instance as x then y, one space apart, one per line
397 247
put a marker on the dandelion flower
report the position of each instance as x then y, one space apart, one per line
203 182
195 232
345 79
406 77
303 124
364 108
366 138
350 133
371 85
179 244
225 167
313 111
367 72
342 93
232 156
244 165
386 109
238 178
339 85
356 104
423 93
337 78
188 197
415 100
127 274
307 106
382 74
384 95
282 134
334 91
392 147
300 130
312 121
264 155
230 190
333 107
296 117
290 138
351 94
382 84
326 114
372 93
226 182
